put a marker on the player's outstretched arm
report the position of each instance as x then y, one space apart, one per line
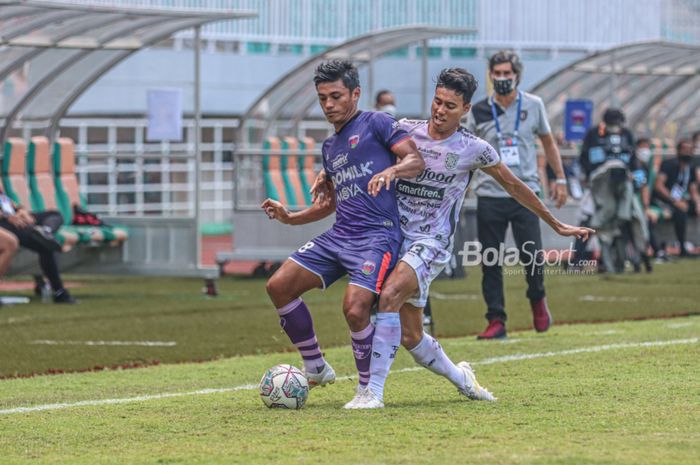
410 164
276 211
524 195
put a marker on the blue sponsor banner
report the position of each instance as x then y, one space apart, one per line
577 119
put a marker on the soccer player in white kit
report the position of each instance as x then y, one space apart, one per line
429 208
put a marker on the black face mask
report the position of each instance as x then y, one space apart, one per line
503 86
685 158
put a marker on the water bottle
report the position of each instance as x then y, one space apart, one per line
46 294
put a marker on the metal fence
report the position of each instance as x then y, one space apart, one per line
539 24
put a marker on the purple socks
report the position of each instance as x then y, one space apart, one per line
362 350
296 321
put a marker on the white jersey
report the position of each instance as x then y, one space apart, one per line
430 203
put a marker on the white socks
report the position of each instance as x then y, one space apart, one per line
429 354
385 344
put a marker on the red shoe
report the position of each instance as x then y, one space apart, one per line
495 330
541 317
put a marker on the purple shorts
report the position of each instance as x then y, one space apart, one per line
367 260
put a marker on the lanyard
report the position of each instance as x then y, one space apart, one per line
517 120
683 178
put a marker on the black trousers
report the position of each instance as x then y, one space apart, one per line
47 259
493 215
680 223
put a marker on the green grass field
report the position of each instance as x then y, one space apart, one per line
242 321
613 392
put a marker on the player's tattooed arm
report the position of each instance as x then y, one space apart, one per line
276 211
321 189
410 164
524 195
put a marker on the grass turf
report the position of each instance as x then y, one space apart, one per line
577 394
242 321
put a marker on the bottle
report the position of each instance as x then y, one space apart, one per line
46 294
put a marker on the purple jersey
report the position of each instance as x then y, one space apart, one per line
351 157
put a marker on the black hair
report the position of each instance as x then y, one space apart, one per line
681 142
461 81
379 95
333 70
643 140
507 56
613 117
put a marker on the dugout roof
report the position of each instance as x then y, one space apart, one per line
657 84
51 52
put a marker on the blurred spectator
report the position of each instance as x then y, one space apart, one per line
676 188
8 248
653 213
609 163
385 101
35 232
696 142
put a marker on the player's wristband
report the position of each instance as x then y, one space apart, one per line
562 182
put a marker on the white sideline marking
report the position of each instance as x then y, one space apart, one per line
605 332
249 387
599 298
678 325
441 296
105 343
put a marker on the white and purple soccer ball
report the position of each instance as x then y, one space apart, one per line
284 386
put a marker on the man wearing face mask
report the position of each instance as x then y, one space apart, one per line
385 101
676 186
510 120
653 213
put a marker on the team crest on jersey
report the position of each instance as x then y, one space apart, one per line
354 140
451 161
368 267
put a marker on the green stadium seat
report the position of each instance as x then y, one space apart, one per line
67 192
14 183
288 178
272 171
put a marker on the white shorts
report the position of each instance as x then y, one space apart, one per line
427 258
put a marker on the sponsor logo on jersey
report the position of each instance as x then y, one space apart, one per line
368 267
430 175
486 157
451 161
354 140
404 220
340 161
417 190
523 115
352 172
425 228
347 192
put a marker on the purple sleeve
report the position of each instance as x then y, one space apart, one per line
324 154
387 129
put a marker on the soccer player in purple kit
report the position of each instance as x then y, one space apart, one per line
359 169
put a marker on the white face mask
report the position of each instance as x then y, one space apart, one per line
391 109
644 154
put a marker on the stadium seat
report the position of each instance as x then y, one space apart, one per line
65 183
14 183
307 172
272 170
291 172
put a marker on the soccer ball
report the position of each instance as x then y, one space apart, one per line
284 386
